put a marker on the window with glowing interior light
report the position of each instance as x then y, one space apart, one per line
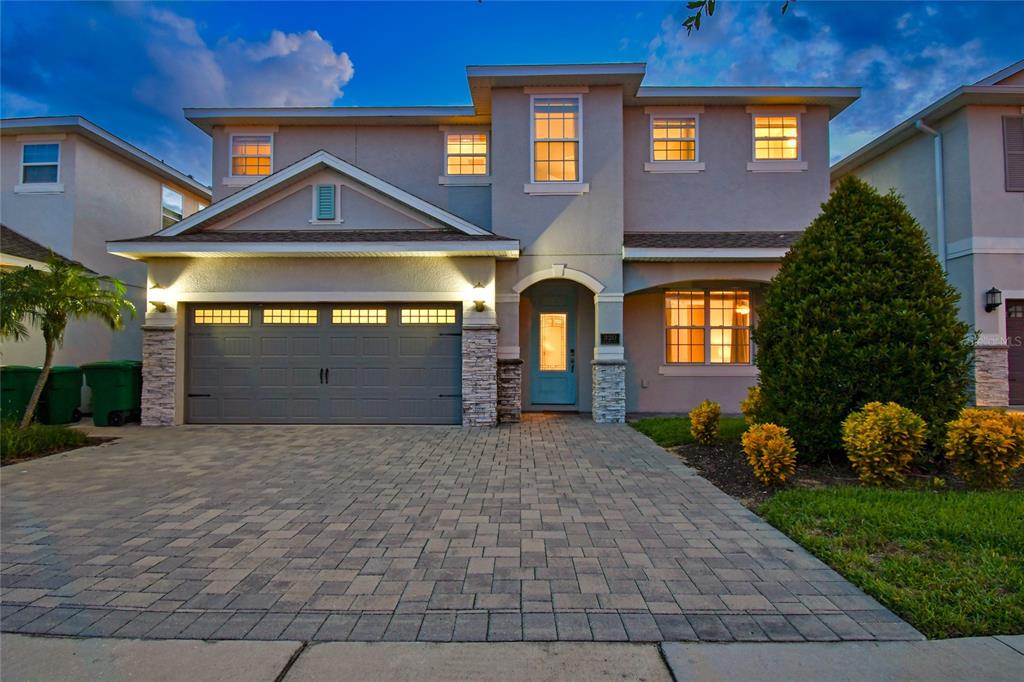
556 139
251 155
465 153
673 139
776 138
707 327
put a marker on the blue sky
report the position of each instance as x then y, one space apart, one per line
131 67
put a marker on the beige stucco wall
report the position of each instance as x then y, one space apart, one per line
725 195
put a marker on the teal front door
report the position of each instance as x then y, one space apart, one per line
553 346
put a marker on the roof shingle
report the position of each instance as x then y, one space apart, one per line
764 239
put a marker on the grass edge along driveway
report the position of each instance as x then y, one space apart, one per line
951 563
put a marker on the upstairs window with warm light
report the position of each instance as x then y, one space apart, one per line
673 139
776 138
171 206
706 327
251 155
466 154
556 139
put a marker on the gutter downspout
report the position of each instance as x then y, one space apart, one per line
940 196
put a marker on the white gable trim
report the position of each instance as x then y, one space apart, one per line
343 167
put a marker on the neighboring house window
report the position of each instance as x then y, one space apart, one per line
171 206
465 154
200 206
776 138
40 163
1013 152
556 139
707 327
251 155
673 139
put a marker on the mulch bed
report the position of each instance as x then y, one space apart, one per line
90 442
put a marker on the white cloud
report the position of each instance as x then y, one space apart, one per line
12 104
288 69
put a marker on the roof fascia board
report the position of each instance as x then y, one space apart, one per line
330 161
712 254
1003 74
85 127
508 248
521 70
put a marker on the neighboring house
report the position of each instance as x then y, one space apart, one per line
571 241
972 210
68 186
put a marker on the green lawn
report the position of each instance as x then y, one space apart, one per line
950 563
671 431
37 439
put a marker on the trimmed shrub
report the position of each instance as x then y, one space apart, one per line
752 406
770 453
882 440
985 447
704 422
859 311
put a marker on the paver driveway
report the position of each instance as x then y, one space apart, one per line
556 528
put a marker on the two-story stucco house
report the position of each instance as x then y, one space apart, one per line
68 186
572 240
959 165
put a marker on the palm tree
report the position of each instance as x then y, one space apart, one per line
49 299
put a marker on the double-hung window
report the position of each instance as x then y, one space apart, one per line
251 155
673 139
40 163
465 153
776 137
707 327
556 139
171 206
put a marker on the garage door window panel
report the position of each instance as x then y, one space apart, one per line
428 316
359 316
304 316
221 316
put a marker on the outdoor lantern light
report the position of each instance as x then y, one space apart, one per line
478 303
993 299
157 297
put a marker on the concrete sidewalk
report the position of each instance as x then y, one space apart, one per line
53 659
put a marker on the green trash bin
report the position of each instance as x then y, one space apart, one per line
61 402
16 384
136 366
116 397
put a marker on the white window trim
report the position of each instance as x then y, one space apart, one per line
23 187
777 165
574 187
707 326
233 180
463 180
338 220
652 166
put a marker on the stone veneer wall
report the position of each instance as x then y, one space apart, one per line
510 390
609 391
479 376
158 376
991 376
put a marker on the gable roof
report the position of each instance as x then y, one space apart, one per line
303 167
13 243
985 91
82 126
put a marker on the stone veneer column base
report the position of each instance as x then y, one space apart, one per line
479 376
158 376
991 376
609 391
510 390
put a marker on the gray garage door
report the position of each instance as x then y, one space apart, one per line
324 363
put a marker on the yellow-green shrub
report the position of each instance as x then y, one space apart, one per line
752 406
770 452
985 447
882 440
704 422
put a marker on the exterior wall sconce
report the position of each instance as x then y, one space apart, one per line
479 304
157 298
993 299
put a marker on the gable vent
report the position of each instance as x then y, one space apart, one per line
1013 151
326 203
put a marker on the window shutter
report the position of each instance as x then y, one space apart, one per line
325 203
1013 152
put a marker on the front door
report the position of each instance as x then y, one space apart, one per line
1015 341
553 342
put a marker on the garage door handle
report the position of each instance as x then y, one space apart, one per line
199 395
321 375
327 375
450 395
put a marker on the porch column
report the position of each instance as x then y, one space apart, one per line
609 365
479 375
159 368
510 363
991 375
